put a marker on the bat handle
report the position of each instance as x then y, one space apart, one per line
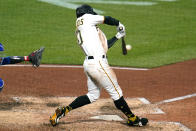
124 50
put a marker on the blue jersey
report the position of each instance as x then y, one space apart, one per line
4 60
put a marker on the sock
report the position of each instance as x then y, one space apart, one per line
67 109
80 101
121 104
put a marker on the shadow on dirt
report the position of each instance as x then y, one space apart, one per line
9 105
52 104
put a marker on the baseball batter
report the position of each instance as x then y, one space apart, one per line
94 44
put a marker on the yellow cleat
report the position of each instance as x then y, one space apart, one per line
59 113
136 121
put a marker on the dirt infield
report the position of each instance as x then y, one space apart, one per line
31 95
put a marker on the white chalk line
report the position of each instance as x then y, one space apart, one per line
168 0
157 110
73 4
183 127
108 117
118 118
176 99
71 66
144 100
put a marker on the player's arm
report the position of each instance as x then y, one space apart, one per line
111 41
98 19
121 33
110 21
13 59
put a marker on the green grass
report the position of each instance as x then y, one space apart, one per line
160 34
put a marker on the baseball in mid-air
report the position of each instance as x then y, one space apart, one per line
128 47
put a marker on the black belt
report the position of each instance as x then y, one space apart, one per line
91 57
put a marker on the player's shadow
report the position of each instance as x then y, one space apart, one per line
84 121
124 123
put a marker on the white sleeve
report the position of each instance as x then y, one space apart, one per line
96 19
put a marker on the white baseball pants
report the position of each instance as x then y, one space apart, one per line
100 75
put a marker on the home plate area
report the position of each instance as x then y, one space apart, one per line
33 113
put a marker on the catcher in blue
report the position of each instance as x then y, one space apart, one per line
95 45
34 58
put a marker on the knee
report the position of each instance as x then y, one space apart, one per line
93 96
116 94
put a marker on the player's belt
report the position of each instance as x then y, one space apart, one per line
92 57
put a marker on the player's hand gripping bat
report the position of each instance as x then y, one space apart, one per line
124 49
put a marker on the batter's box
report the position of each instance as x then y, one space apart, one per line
102 106
139 106
100 115
143 106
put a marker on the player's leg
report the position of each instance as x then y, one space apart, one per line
13 59
109 82
62 111
133 120
92 95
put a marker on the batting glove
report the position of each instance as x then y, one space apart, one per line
120 34
120 27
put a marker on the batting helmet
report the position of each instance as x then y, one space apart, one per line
84 9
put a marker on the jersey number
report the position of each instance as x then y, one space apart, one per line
79 22
79 37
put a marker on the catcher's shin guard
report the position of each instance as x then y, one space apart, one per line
136 121
59 113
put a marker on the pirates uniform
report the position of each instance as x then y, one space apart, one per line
99 74
94 45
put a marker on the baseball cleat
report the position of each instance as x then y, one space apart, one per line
59 113
136 121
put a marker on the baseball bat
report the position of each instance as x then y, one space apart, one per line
124 49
